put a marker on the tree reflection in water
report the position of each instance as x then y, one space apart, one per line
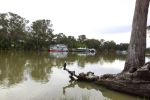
17 67
37 65
11 68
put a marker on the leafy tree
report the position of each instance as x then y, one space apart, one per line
14 33
12 29
122 46
92 43
81 38
71 42
41 33
3 31
109 45
60 38
17 29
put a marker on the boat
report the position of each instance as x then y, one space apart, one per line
92 50
58 48
81 50
84 50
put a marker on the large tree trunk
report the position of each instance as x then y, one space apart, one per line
136 49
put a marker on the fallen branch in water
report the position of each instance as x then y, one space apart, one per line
89 76
136 82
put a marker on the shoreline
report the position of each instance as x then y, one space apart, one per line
134 83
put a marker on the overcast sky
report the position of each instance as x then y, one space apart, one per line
108 19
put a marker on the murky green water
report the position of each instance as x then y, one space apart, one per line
39 76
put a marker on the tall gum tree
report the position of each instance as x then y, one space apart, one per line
136 49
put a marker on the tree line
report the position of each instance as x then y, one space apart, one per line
17 33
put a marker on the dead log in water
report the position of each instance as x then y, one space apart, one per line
137 82
89 76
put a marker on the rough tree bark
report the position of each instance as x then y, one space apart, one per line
136 49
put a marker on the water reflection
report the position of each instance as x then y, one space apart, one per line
58 54
11 68
14 66
41 73
100 93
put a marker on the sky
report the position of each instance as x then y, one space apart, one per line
99 19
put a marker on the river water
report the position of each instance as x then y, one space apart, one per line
40 76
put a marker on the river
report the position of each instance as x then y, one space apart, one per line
40 76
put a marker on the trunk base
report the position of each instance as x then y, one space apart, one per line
140 88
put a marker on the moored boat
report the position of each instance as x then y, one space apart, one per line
84 50
58 48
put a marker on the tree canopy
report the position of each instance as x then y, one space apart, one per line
17 33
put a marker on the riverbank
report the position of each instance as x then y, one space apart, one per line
134 87
135 82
